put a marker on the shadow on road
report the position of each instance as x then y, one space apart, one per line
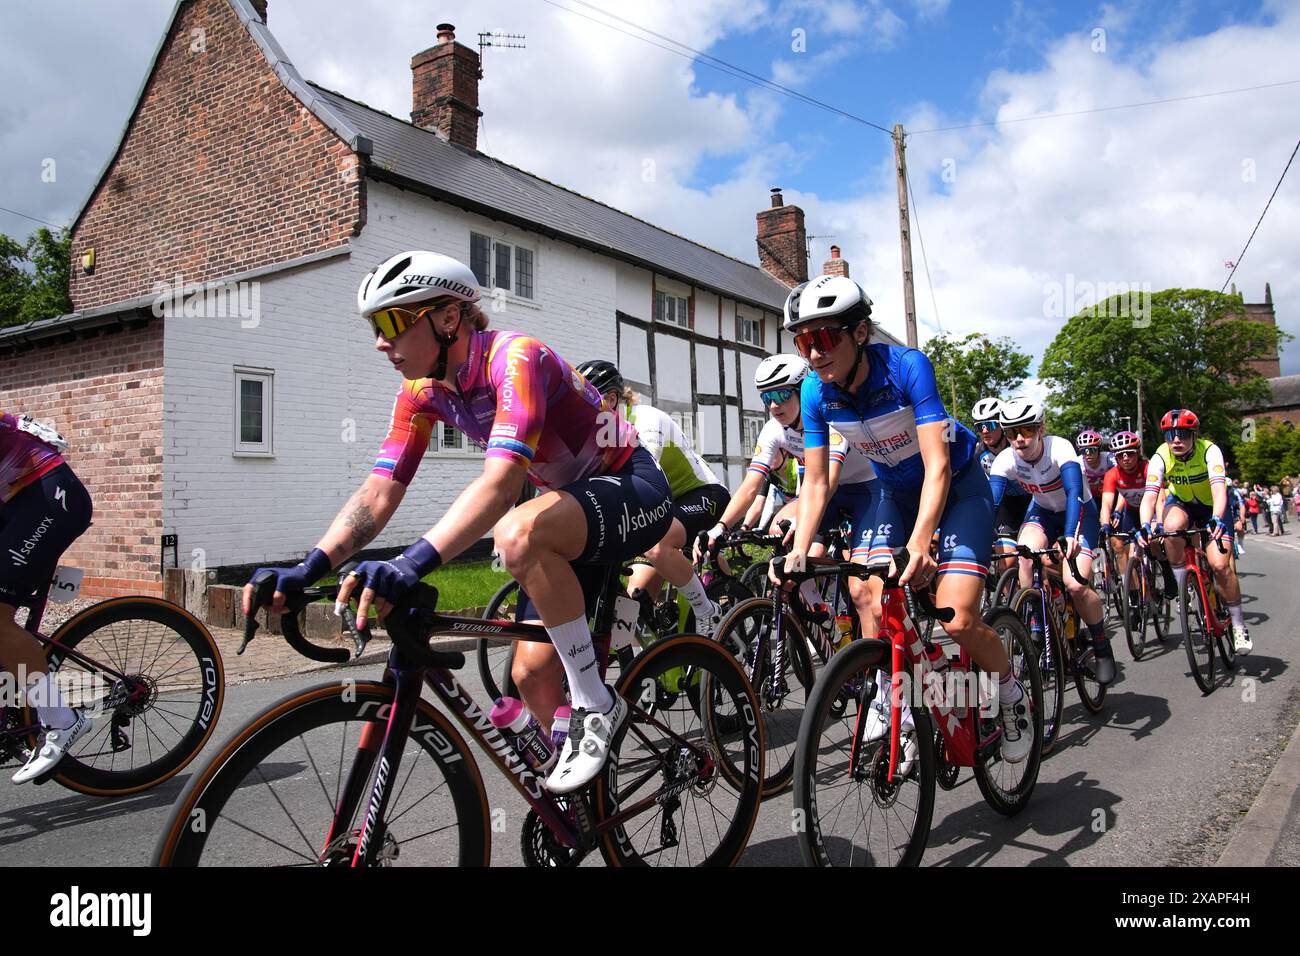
75 809
1259 667
1067 806
1135 714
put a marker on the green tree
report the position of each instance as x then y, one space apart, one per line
975 367
1267 451
34 277
1187 351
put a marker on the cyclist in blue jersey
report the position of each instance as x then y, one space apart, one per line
884 401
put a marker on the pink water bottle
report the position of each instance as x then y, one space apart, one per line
511 717
560 726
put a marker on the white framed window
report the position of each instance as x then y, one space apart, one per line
254 391
672 308
498 264
749 328
749 429
448 440
686 422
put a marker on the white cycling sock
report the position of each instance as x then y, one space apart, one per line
1234 612
43 694
1007 689
1180 575
693 591
573 643
811 596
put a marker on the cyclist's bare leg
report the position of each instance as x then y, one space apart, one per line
668 559
536 541
1224 567
866 599
963 593
18 649
1175 520
644 576
1034 538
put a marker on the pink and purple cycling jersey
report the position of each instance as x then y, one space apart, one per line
23 458
520 401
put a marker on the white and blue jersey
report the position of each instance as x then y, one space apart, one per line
1063 503
899 394
881 420
987 456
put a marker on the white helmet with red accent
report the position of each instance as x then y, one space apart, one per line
1087 439
1125 441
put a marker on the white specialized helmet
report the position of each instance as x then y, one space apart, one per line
986 410
780 371
417 276
1020 411
830 297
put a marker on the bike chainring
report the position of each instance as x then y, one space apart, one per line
539 846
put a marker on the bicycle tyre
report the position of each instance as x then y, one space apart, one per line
816 818
1223 637
1024 661
495 658
1051 666
184 671
198 814
1196 634
1137 631
698 659
1008 584
749 623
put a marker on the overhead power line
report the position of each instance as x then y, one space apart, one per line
1237 261
15 212
706 59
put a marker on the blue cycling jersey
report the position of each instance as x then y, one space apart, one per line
899 394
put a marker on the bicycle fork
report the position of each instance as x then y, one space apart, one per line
387 747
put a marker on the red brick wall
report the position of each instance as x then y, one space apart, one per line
105 395
223 170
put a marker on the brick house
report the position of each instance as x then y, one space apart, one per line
214 380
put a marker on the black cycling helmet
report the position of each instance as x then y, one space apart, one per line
603 375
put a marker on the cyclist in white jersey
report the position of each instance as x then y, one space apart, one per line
698 498
1048 468
778 379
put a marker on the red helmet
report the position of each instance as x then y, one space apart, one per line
1088 439
1179 418
1125 441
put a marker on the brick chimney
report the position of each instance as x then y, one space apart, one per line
783 241
260 7
444 89
835 266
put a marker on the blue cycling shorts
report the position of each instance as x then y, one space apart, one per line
1053 524
855 503
965 527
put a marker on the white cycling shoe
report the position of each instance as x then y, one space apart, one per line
586 748
877 727
1017 729
707 624
52 749
1241 641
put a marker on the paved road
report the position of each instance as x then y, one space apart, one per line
1170 771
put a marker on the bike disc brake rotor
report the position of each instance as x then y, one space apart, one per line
341 850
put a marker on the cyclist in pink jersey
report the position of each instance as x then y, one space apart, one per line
605 500
43 509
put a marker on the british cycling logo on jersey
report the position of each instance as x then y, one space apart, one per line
886 447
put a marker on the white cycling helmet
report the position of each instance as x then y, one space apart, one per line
1020 411
829 297
417 276
986 410
792 305
780 371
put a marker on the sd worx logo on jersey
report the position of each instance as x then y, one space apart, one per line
629 522
19 558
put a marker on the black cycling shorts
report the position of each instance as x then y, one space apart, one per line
1010 516
700 508
628 512
36 527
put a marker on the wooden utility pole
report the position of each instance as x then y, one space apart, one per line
1139 428
905 235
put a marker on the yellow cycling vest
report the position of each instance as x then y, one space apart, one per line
1188 480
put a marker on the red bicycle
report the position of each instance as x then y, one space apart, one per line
1201 611
865 798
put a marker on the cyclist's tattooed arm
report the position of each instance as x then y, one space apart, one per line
362 518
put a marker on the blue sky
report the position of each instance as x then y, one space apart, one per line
1010 214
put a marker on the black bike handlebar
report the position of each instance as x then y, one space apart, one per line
408 623
820 568
1187 533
